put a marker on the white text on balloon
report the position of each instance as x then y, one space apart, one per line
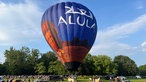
79 20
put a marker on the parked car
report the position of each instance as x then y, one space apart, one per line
56 77
109 77
1 79
123 79
138 77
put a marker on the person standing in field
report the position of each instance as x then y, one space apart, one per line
116 79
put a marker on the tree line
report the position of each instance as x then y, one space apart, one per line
27 61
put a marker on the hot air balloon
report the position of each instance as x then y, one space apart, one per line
70 29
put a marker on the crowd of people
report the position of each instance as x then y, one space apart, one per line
26 78
46 78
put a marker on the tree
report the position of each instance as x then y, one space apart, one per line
2 69
142 70
21 61
29 62
57 68
47 58
15 60
104 65
40 68
87 66
32 60
126 66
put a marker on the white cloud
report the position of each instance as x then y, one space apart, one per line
19 22
3 36
108 41
143 45
121 30
114 48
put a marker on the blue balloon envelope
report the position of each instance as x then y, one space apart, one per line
70 29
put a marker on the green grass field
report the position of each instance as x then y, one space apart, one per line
87 80
131 80
138 80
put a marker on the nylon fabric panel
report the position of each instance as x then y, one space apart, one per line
70 29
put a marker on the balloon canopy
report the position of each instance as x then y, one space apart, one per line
70 29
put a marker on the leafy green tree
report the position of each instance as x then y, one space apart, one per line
2 69
34 56
57 68
104 65
47 58
20 61
32 60
142 70
87 66
28 62
126 66
15 60
40 68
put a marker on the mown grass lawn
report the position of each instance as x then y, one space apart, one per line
87 80
138 80
131 80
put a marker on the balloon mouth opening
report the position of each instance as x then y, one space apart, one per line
72 66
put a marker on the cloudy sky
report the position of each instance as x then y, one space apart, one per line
121 26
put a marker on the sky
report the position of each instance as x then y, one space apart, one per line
121 26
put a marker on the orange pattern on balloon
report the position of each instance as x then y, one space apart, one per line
67 52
